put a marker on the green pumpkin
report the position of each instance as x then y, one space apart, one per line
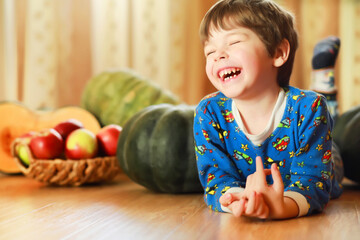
115 96
156 149
341 123
350 148
338 162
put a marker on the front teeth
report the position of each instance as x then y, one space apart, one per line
228 72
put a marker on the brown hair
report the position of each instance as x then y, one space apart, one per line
268 20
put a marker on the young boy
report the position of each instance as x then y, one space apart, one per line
263 147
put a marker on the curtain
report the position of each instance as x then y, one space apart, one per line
317 19
8 53
157 38
49 49
45 56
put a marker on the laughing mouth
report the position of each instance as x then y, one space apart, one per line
229 73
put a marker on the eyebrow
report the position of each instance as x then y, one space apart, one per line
229 34
237 32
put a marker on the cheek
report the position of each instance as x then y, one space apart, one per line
251 63
208 70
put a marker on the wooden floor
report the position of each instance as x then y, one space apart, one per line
125 210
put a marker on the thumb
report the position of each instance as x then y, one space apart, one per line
226 199
276 175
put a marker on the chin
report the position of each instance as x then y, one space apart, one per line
232 91
229 94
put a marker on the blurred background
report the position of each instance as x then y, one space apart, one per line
49 49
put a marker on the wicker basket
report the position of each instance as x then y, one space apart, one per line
68 172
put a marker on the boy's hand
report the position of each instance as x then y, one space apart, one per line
260 199
252 206
273 194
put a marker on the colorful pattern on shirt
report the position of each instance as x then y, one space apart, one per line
300 145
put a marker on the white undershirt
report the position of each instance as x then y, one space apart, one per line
274 121
257 139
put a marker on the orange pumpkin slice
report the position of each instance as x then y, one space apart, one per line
16 120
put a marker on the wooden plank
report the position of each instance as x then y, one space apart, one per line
126 210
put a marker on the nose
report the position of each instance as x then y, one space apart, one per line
221 54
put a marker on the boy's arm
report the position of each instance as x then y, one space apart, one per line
217 172
311 169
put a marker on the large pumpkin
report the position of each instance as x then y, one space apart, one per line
156 149
16 120
341 123
350 147
114 96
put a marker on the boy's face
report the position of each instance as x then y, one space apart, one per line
238 64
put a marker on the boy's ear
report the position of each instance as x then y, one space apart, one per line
282 53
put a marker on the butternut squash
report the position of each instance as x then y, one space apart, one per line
16 120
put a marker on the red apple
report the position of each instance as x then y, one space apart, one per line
47 144
26 138
108 138
81 144
66 127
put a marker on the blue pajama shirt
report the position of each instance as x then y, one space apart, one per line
300 145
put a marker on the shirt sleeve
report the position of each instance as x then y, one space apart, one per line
300 201
217 171
311 168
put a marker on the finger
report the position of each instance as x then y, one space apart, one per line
267 172
233 196
260 173
262 210
226 199
234 208
257 200
237 207
264 213
261 204
250 208
258 203
242 208
259 164
276 175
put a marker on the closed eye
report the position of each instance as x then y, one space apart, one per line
235 42
209 53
